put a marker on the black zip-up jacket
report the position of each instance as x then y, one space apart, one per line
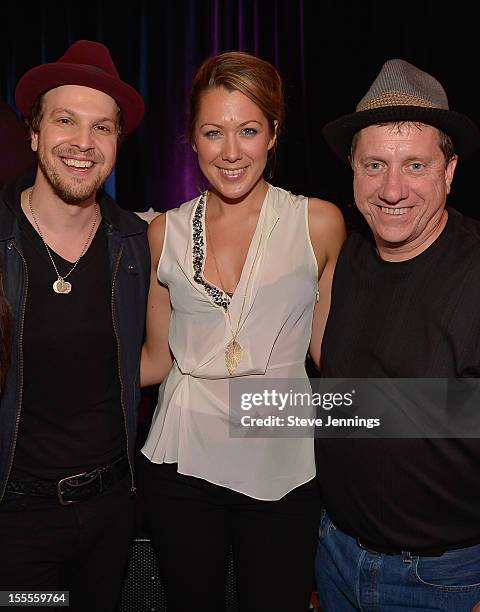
129 259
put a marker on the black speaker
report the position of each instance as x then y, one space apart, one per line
143 590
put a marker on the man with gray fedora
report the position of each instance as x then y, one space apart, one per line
76 275
401 526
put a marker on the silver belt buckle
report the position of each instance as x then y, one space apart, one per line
60 493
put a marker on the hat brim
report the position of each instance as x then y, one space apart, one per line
40 79
462 130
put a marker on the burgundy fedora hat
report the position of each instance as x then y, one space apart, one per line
403 92
86 63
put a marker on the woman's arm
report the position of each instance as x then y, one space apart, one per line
327 233
156 357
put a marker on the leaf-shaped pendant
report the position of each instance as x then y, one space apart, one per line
233 356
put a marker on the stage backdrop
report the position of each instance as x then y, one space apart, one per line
328 51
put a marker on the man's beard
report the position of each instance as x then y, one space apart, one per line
73 191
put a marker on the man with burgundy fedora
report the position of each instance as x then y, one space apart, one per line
401 526
76 275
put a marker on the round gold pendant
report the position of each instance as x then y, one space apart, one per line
62 286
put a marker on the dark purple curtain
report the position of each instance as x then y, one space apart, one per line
328 52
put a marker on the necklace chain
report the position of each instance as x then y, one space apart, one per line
234 351
222 286
60 286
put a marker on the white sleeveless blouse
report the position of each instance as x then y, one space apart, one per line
191 422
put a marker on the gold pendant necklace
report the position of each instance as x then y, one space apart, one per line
233 350
61 285
233 354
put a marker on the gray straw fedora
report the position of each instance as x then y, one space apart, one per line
402 92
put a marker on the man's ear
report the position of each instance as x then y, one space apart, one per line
450 171
34 140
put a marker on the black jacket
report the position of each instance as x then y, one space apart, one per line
130 272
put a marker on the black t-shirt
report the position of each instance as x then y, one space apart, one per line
71 417
414 319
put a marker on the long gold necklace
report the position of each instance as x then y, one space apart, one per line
233 350
61 285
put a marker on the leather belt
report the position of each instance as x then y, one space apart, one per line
390 551
77 487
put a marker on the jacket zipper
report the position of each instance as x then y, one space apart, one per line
117 264
20 369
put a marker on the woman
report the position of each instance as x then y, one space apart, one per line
239 272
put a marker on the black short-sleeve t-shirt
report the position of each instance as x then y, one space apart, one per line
71 417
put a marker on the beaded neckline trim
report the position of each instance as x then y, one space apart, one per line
218 297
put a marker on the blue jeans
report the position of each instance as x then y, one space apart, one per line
350 578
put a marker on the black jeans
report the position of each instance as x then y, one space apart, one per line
193 524
82 548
